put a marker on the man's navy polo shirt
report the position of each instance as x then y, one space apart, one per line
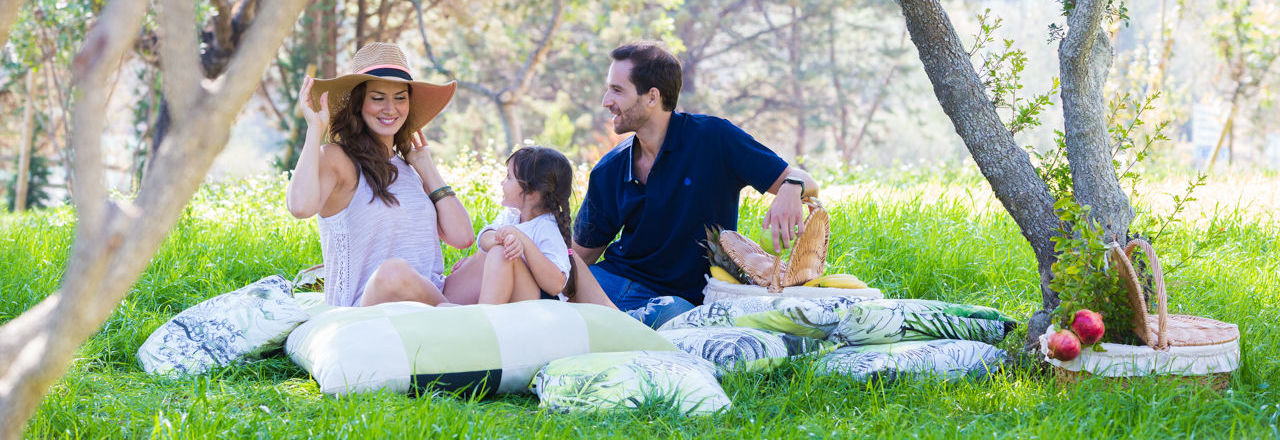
695 181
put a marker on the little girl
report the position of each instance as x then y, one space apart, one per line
526 249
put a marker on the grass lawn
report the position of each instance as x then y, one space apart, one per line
899 236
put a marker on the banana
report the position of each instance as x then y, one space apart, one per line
723 275
837 280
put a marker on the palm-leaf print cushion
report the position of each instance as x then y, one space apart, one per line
409 347
946 359
808 317
742 348
893 320
606 381
226 328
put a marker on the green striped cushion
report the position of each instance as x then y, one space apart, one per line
407 346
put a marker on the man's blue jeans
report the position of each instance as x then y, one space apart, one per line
638 300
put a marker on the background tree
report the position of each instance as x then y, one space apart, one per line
1084 57
1248 41
115 239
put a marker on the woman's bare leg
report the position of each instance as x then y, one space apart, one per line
506 280
589 290
462 286
396 280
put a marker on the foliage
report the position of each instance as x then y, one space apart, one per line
1083 276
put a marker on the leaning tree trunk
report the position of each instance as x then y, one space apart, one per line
115 240
1084 57
24 145
1006 166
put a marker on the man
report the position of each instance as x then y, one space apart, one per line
678 173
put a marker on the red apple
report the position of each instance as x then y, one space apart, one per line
1064 345
1088 326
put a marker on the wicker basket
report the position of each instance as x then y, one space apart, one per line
808 258
717 290
1188 348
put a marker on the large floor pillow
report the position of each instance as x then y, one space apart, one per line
237 325
607 381
313 303
808 317
742 348
885 321
946 359
411 347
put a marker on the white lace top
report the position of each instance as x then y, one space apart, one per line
359 238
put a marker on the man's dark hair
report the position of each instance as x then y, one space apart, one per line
652 66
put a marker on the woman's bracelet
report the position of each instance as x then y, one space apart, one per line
441 193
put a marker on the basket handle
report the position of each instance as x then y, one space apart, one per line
1162 297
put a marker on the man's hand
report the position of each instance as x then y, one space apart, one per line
785 218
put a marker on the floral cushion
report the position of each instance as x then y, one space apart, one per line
742 348
226 328
947 359
884 321
808 317
605 381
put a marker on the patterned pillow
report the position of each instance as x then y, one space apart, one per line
236 325
808 317
605 381
742 348
884 321
409 347
947 359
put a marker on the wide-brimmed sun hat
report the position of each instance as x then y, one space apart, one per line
385 61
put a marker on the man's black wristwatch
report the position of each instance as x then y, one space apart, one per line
797 181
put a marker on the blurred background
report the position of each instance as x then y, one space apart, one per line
835 86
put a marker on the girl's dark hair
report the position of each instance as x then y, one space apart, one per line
347 129
545 171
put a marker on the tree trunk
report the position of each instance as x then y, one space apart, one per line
510 123
1084 58
24 145
8 15
328 47
115 240
797 88
841 133
1006 166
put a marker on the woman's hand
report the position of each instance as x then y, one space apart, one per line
419 153
512 241
318 120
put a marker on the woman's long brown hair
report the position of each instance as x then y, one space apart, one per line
347 129
545 171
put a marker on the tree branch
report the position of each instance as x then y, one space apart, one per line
180 56
1084 58
435 63
525 76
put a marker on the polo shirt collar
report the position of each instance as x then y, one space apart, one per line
669 143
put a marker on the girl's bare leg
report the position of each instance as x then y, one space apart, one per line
506 280
395 280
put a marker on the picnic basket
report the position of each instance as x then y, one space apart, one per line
1192 348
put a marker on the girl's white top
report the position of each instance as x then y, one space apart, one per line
358 239
542 230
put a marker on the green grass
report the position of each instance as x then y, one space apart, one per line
893 236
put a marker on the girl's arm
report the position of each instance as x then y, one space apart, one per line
452 221
545 273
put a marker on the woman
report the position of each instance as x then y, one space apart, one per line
383 206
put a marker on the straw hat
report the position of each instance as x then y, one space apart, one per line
385 61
